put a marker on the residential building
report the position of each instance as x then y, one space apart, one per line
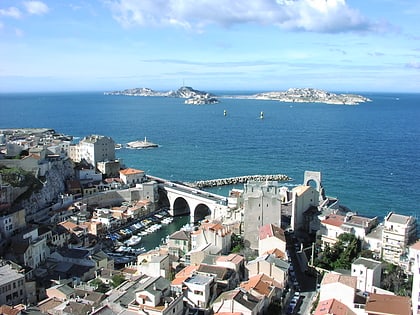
154 264
179 243
414 255
233 261
271 236
214 233
109 168
332 306
263 287
373 241
238 301
368 273
93 149
332 283
199 290
226 279
270 266
11 222
29 249
333 225
131 176
399 232
12 285
153 296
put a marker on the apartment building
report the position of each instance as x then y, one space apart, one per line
399 232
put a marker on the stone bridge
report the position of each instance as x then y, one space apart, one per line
186 200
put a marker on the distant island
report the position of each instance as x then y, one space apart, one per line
192 96
292 95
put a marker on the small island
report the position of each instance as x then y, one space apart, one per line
192 96
292 95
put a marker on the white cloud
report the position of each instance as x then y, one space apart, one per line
11 12
413 65
330 16
36 7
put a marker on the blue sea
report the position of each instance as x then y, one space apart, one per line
369 154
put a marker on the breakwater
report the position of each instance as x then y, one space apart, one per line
238 180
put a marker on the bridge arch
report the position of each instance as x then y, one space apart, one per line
200 212
184 200
180 207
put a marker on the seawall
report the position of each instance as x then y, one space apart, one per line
238 180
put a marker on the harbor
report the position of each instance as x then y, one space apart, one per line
125 243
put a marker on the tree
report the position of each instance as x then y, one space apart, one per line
117 280
99 285
394 279
341 255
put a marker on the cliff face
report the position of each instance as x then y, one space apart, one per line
38 203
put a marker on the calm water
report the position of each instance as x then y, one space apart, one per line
369 155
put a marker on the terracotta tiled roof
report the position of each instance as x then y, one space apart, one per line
388 304
349 281
69 226
234 258
276 252
255 283
332 306
179 280
334 219
187 271
11 310
271 230
131 171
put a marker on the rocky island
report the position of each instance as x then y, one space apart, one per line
293 95
310 95
191 95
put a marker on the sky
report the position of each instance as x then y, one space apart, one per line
211 45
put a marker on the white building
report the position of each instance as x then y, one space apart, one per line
93 149
214 233
339 287
333 225
271 236
131 176
154 264
399 232
368 274
153 297
12 285
200 289
414 254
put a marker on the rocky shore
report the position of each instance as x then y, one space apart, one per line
238 180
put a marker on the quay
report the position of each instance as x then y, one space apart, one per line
238 180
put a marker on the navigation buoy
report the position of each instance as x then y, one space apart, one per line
262 115
225 112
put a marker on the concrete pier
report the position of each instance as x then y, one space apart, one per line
238 180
